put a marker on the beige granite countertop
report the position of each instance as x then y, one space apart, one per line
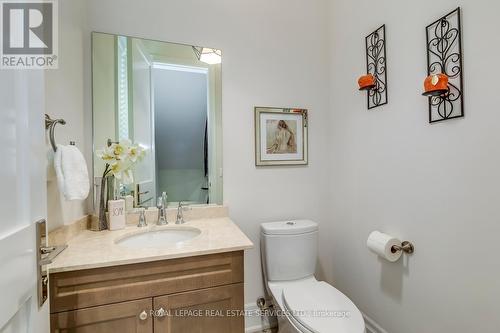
91 249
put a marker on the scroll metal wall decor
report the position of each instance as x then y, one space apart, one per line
444 56
376 66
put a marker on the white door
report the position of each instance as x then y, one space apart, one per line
22 199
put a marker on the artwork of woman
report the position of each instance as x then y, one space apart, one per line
284 138
280 136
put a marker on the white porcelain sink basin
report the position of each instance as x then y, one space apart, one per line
159 238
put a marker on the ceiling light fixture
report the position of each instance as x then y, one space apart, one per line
208 55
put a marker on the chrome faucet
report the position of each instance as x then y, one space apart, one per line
180 215
162 209
142 218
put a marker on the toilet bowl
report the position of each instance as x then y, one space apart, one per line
302 303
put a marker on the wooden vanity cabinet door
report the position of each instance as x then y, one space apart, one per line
212 310
114 318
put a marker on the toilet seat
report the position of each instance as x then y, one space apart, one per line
320 308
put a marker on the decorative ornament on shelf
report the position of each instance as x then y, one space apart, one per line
120 158
375 81
444 84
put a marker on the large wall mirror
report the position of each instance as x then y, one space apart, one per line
166 99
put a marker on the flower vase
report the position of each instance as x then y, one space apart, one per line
103 223
111 182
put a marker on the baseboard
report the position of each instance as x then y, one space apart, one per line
372 326
254 322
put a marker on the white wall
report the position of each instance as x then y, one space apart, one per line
436 185
104 94
64 98
274 53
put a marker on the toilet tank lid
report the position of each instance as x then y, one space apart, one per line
290 227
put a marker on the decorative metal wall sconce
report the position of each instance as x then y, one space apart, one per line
375 82
444 84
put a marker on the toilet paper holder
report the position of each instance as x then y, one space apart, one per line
406 247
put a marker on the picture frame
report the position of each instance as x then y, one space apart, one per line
281 136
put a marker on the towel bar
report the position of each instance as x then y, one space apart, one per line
50 124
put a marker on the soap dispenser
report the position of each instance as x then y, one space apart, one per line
116 209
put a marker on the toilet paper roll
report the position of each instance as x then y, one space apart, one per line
381 244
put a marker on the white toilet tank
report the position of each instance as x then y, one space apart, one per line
289 249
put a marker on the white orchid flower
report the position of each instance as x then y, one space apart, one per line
135 153
105 155
121 158
116 169
119 151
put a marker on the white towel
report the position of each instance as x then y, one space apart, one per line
72 173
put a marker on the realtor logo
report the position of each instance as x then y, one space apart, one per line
28 34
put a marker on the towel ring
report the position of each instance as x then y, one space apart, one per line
50 125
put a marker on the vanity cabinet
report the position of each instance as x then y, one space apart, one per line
185 295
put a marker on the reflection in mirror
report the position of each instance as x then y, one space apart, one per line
166 98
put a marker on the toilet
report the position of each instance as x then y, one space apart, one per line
303 304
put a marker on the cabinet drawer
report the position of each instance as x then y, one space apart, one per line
213 310
122 317
100 286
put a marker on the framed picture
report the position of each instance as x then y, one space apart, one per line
280 136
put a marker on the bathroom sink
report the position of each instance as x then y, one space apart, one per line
159 238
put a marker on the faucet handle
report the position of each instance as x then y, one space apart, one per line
142 218
160 203
180 216
184 206
162 214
